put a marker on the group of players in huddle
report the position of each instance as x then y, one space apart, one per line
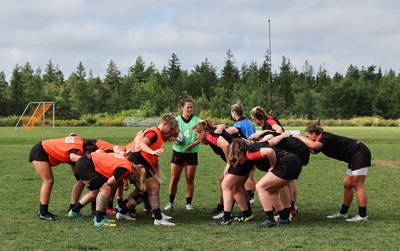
106 169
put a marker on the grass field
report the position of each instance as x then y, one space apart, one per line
319 186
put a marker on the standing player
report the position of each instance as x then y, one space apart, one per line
184 154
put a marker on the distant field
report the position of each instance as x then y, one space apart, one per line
319 186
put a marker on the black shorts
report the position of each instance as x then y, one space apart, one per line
288 167
184 159
241 169
361 159
86 171
38 153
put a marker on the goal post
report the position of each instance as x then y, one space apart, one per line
35 111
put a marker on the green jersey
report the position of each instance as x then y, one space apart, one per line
186 135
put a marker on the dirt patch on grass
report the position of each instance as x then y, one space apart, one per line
387 163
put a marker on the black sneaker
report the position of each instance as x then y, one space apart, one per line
267 224
215 211
49 216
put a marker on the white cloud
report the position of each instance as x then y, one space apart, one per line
323 32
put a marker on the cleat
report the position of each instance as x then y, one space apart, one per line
163 222
218 216
49 216
222 222
121 216
189 207
110 211
164 216
283 222
267 224
215 211
103 223
337 215
169 206
357 218
245 219
294 212
75 215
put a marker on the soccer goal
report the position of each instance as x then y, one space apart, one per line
35 114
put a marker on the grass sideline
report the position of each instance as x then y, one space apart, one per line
319 186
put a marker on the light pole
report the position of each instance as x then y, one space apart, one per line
270 65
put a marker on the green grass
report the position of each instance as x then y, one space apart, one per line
319 187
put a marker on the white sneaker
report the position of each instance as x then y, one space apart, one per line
163 222
189 207
169 206
164 216
337 215
121 216
218 216
357 218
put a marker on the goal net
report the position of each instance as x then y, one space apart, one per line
37 114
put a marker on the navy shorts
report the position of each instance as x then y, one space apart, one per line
184 159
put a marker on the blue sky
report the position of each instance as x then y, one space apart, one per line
332 34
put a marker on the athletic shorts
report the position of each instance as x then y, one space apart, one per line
361 159
38 153
184 159
86 171
288 167
241 169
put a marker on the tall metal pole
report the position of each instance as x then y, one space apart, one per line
270 65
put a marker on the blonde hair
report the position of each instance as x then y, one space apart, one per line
139 176
170 119
237 148
203 125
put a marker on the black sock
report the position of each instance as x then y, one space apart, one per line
43 209
110 204
100 215
124 209
77 207
189 200
227 216
123 203
119 201
344 209
249 208
292 206
171 198
270 215
220 207
246 213
93 206
157 214
71 206
250 194
362 211
283 214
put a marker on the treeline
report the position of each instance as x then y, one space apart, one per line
146 91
